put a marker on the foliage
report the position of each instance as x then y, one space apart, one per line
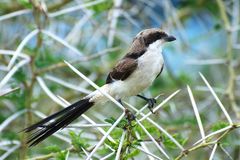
93 36
78 142
218 126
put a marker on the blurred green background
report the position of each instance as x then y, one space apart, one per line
93 35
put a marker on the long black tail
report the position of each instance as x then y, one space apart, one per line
56 121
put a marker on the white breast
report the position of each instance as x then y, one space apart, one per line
149 66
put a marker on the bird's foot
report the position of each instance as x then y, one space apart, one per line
129 116
151 103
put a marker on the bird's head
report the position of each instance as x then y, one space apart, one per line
154 36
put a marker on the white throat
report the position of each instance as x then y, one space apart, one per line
156 46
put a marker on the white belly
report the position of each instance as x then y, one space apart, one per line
149 66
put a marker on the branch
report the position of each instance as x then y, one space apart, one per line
232 75
208 142
83 59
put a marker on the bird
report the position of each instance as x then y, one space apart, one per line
135 72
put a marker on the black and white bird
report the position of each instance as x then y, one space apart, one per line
135 72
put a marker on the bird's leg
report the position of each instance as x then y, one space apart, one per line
129 115
120 101
150 101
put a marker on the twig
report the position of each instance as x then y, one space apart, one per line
148 153
11 118
8 91
62 41
153 140
68 85
50 155
206 62
143 145
21 45
12 72
88 125
213 151
116 11
47 91
207 142
160 105
75 8
120 146
196 113
105 136
232 75
83 59
156 125
108 156
217 99
229 156
14 14
9 151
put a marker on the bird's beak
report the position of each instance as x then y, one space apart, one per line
169 38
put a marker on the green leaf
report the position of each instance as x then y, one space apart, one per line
112 144
110 120
185 78
152 129
116 133
46 58
20 75
62 155
25 3
123 123
9 134
101 6
170 144
53 148
18 98
136 142
219 125
217 26
103 151
132 154
77 141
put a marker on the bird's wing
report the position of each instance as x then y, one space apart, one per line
128 64
122 70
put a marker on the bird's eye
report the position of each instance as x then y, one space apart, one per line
162 35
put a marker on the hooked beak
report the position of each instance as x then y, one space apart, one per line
169 38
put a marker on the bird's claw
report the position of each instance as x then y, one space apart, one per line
130 116
151 103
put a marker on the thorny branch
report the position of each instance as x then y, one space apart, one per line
82 59
230 91
208 142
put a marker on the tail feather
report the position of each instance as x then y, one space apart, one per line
61 120
49 118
